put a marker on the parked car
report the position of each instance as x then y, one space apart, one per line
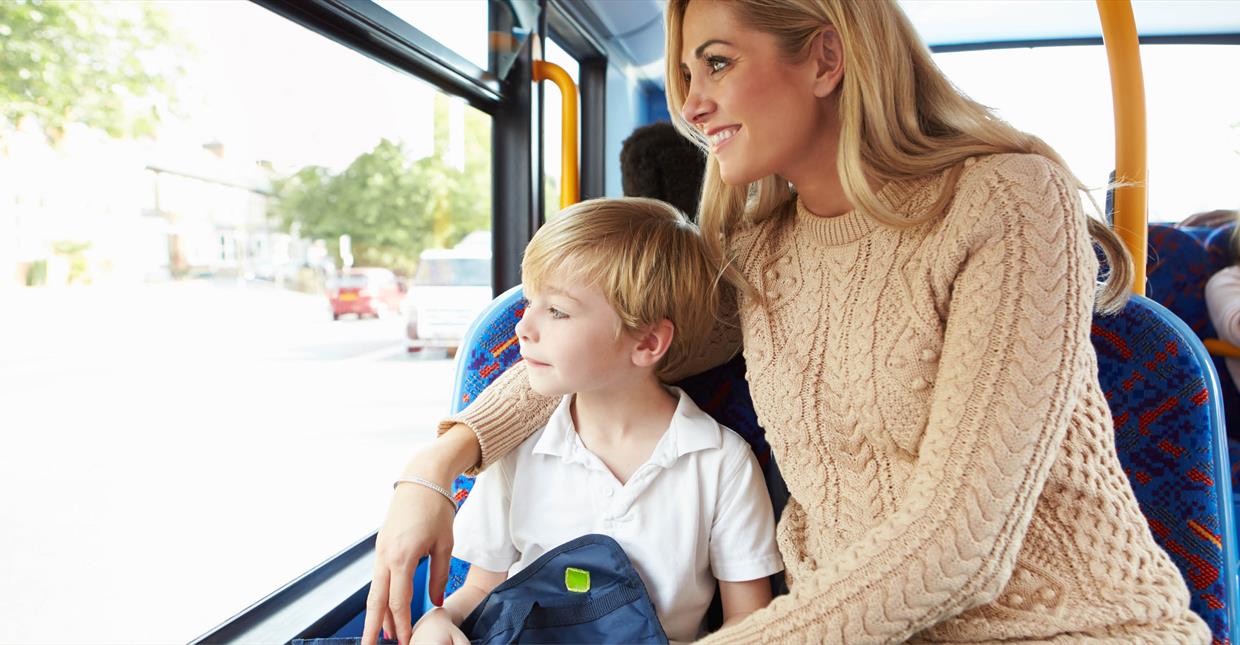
449 290
364 292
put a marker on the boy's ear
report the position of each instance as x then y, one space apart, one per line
652 343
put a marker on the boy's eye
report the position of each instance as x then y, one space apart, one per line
556 314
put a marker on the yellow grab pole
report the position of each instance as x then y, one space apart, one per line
544 71
1218 347
1119 32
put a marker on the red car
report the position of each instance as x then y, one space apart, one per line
364 292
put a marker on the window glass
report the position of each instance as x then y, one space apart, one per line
460 25
1063 94
196 409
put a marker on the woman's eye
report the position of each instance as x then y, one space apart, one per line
716 63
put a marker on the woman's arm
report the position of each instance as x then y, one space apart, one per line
419 520
1014 356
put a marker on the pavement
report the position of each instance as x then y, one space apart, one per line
171 453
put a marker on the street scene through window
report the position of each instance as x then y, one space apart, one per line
218 349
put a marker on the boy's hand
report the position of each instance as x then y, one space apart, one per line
437 628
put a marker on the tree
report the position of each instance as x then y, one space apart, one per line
108 65
393 207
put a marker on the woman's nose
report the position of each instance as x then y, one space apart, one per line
697 107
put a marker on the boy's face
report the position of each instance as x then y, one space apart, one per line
569 341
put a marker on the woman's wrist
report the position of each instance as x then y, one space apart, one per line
454 452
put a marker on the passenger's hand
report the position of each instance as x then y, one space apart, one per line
418 523
436 628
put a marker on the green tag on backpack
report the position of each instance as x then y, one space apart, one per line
577 580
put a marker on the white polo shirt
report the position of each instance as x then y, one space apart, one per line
696 511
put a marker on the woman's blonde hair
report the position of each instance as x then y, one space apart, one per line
646 257
900 118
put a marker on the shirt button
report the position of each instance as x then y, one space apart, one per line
606 492
919 384
929 355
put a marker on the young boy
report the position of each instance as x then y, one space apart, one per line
618 290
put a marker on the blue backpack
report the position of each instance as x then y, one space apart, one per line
583 591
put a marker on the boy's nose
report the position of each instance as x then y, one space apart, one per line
524 328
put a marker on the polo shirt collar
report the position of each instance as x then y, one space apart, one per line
691 430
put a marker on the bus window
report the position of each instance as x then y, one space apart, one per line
1063 94
187 426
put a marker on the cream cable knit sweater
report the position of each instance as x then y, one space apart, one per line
932 399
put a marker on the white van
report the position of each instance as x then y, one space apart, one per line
449 290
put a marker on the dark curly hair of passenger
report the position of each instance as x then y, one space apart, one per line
656 162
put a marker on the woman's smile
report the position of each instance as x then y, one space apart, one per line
721 136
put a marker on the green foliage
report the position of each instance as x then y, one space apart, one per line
75 253
392 207
109 65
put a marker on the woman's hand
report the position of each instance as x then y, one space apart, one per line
418 523
436 628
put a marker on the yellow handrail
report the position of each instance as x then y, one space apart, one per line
1218 347
1119 33
544 71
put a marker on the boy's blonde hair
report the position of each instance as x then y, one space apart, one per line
646 257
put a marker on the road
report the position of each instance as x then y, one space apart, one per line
171 453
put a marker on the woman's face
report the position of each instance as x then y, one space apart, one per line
757 108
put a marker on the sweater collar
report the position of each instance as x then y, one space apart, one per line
856 224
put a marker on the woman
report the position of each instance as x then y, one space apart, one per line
915 284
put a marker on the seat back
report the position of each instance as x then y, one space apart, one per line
1163 393
1181 262
1177 271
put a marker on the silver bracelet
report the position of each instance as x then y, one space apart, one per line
428 484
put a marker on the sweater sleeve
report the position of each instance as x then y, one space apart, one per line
1013 362
508 410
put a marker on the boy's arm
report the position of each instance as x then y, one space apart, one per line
441 625
478 583
742 598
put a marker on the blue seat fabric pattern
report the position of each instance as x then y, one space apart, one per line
1168 434
1180 262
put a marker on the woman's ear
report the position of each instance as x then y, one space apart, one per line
827 54
652 343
